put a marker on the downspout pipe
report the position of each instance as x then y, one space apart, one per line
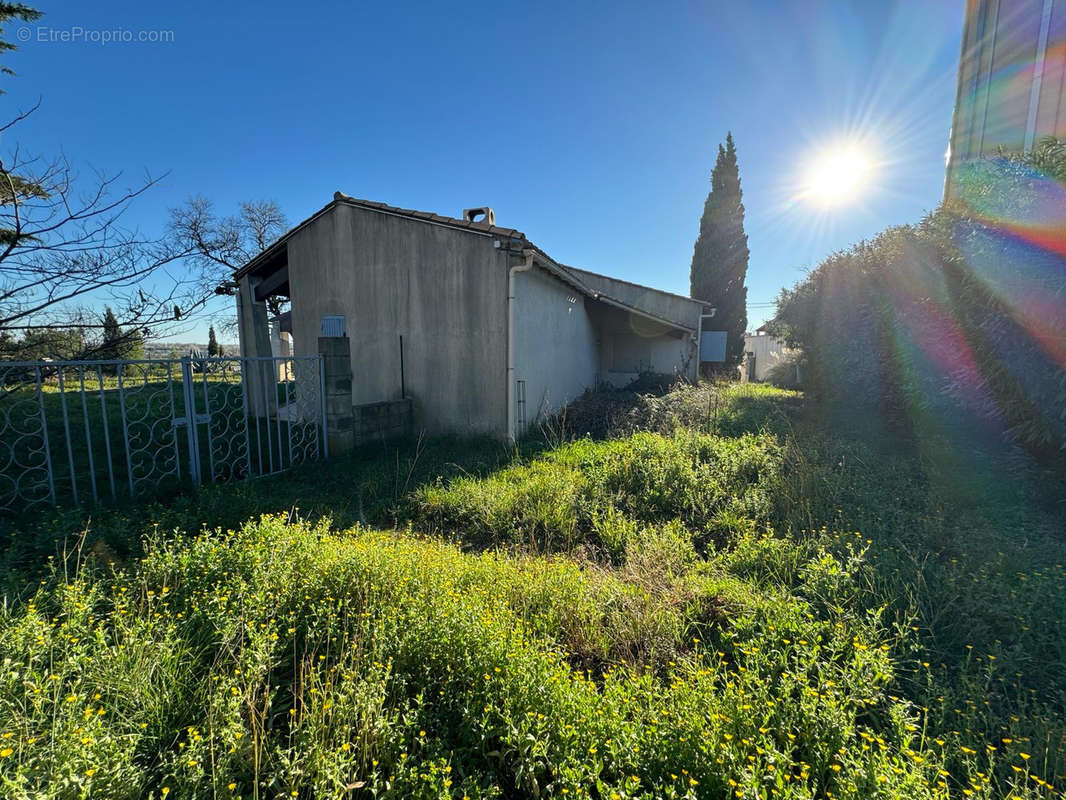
699 346
525 266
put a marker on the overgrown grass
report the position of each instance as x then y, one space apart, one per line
974 562
729 602
364 486
970 563
309 664
600 494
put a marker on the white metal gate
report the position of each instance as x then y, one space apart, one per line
85 431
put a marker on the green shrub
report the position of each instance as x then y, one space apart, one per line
787 373
717 487
282 660
953 327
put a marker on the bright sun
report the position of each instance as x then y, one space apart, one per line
838 175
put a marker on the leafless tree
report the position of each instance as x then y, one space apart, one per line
65 253
220 245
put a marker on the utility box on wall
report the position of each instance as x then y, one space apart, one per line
712 347
333 326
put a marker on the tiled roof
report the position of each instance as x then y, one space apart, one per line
429 216
384 208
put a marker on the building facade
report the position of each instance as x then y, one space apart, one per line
762 354
1012 79
470 324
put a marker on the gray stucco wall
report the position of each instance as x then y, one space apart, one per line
252 324
556 347
254 334
443 290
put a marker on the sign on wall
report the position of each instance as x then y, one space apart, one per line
712 347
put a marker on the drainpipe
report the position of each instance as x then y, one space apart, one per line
523 267
699 340
699 345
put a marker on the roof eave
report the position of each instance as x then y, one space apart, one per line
560 271
339 198
639 285
553 267
668 323
276 247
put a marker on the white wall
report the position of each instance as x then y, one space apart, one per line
631 344
769 352
556 351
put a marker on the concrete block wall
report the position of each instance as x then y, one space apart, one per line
337 366
348 425
379 421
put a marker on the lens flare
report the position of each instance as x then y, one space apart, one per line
1019 254
838 175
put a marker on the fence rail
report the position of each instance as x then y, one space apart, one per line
85 431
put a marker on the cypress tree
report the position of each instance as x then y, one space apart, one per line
213 350
720 257
118 344
110 347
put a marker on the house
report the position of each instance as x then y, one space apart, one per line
762 353
465 325
1012 80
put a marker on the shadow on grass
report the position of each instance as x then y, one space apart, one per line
363 486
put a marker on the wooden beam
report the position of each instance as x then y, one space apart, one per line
270 286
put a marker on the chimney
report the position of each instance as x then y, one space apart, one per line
482 214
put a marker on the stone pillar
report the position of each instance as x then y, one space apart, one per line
252 325
337 363
254 332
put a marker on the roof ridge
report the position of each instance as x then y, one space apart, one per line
430 216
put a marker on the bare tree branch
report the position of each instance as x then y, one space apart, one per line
219 246
64 253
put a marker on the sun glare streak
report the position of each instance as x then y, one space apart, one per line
838 175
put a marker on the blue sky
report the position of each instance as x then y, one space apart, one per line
592 127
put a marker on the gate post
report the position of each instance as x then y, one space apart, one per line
337 377
189 398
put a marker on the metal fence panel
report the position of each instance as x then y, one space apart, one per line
78 432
